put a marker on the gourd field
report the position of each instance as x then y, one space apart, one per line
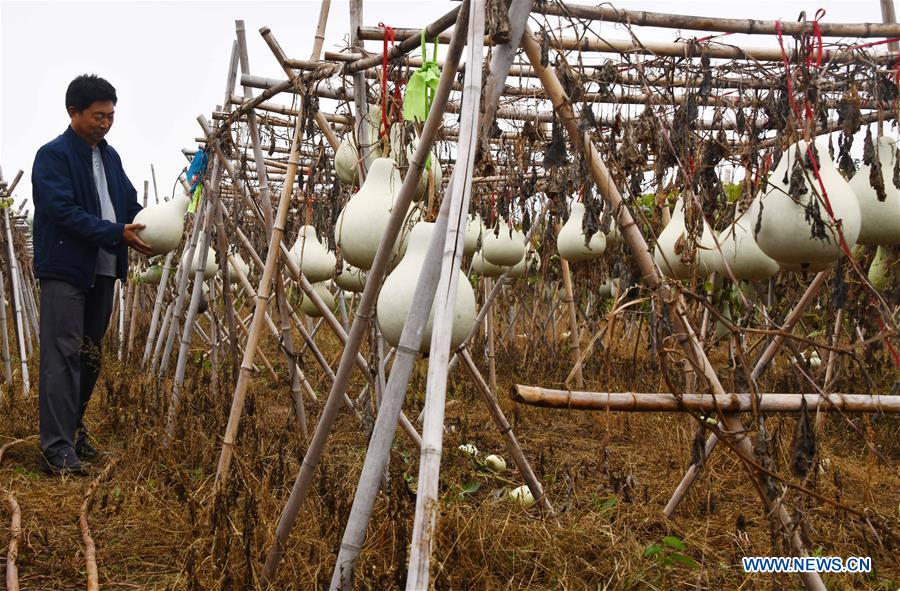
505 301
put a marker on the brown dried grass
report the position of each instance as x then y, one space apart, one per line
609 475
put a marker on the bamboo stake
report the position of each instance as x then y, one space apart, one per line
17 300
730 403
136 293
120 286
832 359
4 333
157 308
427 507
360 322
491 342
12 552
574 336
360 104
163 335
682 330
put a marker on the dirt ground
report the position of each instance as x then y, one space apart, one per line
609 476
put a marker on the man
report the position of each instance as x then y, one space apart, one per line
84 204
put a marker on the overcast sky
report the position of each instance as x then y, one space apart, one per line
168 62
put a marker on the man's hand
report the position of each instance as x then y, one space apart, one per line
130 237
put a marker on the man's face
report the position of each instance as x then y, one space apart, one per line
94 122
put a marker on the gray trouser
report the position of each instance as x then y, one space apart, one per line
73 322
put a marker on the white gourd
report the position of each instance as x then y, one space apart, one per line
608 289
880 220
570 241
474 231
363 221
239 264
784 232
211 266
314 259
522 494
346 161
503 249
664 255
397 293
164 224
880 271
738 247
323 292
152 275
351 279
482 266
531 263
614 236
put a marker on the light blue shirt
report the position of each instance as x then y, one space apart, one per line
106 261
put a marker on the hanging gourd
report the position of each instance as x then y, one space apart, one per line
396 295
351 279
316 262
164 224
211 266
880 269
474 231
346 161
485 268
880 220
363 221
432 174
674 235
608 289
505 248
614 236
152 275
203 305
307 305
571 239
238 264
795 228
530 263
738 247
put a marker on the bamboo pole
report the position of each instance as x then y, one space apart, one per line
427 507
574 335
4 333
360 322
491 338
681 328
660 48
157 308
643 18
12 551
730 403
17 300
890 28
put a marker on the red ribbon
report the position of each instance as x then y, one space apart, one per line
388 36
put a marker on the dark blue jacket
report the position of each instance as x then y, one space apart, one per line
68 227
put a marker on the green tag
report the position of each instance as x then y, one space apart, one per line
195 202
422 86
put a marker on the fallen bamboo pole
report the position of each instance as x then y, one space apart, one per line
12 552
731 402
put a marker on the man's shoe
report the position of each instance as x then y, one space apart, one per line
85 450
64 463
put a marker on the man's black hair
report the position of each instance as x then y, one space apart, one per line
88 89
